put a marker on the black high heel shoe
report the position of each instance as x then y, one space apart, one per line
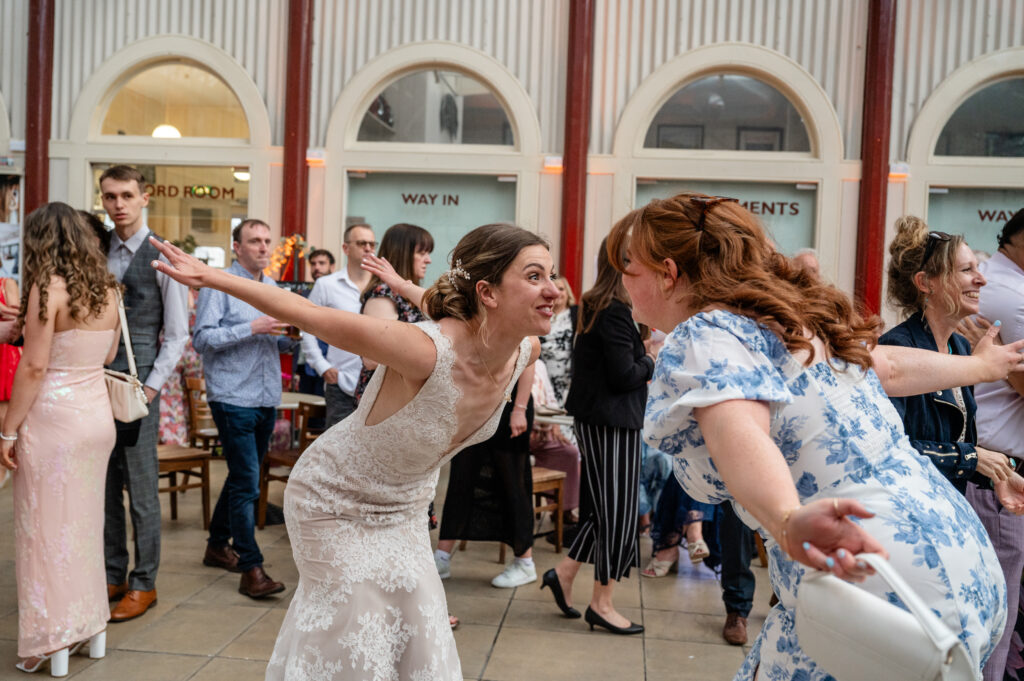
593 618
550 579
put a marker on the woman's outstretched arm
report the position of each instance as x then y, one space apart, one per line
911 371
753 469
400 346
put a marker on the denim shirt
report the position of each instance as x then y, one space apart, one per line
241 368
933 421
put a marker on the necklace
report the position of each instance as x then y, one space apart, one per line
479 357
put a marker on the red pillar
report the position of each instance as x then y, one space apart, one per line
295 187
38 98
579 76
874 184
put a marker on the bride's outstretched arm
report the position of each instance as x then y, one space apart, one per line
400 346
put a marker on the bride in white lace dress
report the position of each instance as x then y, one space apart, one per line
369 604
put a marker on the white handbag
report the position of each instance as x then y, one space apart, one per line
856 636
127 398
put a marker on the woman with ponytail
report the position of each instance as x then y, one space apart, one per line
369 596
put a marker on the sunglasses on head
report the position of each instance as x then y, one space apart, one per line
934 239
706 203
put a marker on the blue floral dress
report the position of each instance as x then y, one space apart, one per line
841 437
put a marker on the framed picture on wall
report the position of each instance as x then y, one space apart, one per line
680 136
759 139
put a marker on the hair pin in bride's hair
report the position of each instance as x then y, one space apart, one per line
455 272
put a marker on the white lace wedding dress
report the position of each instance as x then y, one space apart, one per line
369 603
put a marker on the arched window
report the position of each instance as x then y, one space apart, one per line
728 111
988 123
436 106
173 99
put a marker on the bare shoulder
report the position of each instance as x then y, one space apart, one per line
534 349
57 290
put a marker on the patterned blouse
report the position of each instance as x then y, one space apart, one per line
556 353
407 312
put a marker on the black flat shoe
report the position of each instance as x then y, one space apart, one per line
550 579
593 618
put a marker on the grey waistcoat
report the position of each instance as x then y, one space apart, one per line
144 307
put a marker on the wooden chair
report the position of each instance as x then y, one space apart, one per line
287 459
547 496
190 463
201 428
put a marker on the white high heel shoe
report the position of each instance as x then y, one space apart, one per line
59 659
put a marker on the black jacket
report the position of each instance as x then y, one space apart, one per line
610 371
933 421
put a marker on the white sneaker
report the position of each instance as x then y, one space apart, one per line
444 568
515 574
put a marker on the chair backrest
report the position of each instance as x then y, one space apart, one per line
306 413
199 414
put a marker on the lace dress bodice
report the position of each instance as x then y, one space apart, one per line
387 472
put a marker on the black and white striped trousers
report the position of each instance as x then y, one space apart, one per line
609 491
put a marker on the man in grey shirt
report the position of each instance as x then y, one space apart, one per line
157 312
240 349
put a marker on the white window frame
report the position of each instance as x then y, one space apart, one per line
87 145
344 152
824 165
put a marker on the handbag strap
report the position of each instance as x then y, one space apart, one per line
127 337
941 635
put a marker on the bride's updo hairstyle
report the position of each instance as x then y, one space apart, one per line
728 262
912 250
482 255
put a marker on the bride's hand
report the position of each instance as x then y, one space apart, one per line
183 267
820 533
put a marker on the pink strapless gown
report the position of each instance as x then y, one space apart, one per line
62 452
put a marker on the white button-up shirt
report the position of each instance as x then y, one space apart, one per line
175 299
335 291
1000 408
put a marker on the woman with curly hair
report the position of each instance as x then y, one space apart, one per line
57 436
767 393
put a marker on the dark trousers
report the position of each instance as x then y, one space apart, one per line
245 435
737 542
339 404
136 469
609 493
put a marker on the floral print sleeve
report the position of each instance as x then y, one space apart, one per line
710 358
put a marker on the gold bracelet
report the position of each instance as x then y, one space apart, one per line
785 529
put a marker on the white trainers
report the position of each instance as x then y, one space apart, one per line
444 568
515 574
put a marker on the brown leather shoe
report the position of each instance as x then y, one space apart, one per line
735 630
116 591
256 583
223 557
134 604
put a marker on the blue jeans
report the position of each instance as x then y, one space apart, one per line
245 435
655 469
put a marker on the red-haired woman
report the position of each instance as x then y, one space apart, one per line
765 393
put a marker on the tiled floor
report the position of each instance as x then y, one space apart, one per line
203 629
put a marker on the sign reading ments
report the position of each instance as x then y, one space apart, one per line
977 213
447 206
787 213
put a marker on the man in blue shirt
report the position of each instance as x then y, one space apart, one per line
240 350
